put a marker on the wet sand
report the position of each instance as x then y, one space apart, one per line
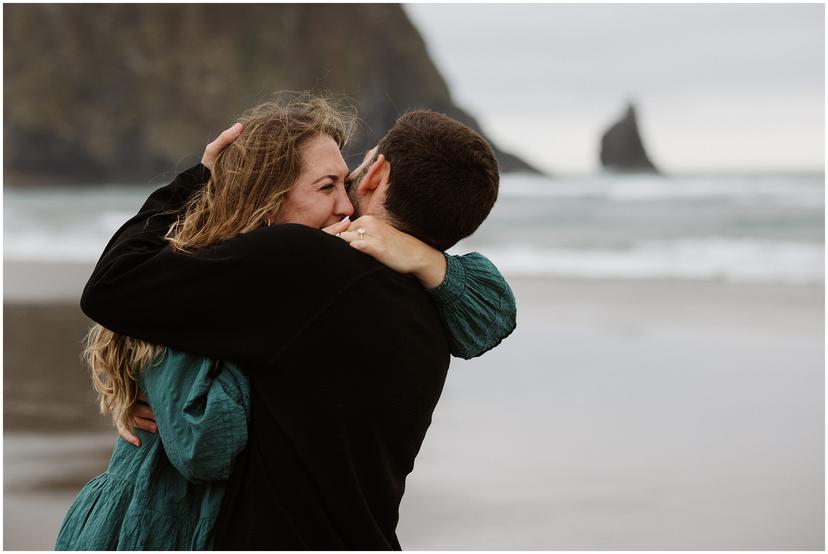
53 438
648 415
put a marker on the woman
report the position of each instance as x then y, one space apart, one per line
283 168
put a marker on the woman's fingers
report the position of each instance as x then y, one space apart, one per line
212 150
143 418
145 424
337 228
349 236
367 245
355 236
365 222
143 410
127 436
368 226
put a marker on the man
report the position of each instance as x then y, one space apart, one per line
346 358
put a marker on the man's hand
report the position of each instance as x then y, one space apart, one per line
212 150
399 251
142 418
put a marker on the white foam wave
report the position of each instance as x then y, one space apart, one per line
799 191
77 240
110 221
712 258
48 247
737 261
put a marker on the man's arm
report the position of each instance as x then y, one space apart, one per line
163 206
157 214
245 299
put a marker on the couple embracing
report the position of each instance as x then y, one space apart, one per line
273 366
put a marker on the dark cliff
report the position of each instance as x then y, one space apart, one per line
121 93
622 148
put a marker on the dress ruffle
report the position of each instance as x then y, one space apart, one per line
166 494
100 505
162 531
108 515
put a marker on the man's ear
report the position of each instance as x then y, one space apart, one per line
377 173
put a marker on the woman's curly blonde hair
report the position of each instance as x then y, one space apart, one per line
247 185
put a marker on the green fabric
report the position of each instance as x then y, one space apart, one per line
152 499
476 304
166 494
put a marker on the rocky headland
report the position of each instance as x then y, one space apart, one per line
122 92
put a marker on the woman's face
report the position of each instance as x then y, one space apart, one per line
318 198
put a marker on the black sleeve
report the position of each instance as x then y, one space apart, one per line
157 214
245 299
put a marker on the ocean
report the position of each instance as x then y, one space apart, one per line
737 228
663 390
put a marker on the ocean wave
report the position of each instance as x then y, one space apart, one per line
687 242
51 247
799 191
34 238
707 259
711 258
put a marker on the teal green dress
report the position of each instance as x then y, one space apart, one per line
166 495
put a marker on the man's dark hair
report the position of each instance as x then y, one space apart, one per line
444 177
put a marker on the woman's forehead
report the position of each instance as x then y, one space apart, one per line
323 157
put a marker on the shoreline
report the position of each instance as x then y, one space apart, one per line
48 282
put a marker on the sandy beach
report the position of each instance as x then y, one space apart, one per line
619 415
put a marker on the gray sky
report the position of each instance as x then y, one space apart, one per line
719 87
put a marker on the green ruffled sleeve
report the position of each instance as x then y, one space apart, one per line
476 304
201 407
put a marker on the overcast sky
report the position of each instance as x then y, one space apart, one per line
719 87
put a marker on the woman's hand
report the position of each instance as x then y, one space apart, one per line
338 228
142 418
211 151
399 251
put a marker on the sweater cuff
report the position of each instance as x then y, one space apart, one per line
199 173
453 285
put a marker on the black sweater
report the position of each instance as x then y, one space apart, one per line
346 360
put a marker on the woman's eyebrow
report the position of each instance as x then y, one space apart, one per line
334 177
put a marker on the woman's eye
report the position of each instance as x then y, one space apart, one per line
327 188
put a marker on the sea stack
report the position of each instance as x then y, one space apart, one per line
621 146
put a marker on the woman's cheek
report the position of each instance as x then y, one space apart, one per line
329 208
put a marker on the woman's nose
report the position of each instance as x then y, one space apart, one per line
343 205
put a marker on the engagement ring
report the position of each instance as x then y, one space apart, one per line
361 232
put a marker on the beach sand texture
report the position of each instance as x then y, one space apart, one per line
619 415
